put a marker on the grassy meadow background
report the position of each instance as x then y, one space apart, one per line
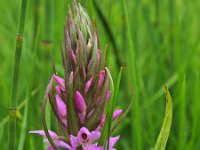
155 41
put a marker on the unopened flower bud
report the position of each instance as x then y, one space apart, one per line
88 84
61 82
79 102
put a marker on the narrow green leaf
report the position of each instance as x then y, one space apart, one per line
165 130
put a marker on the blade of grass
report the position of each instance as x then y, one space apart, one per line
165 130
15 84
135 114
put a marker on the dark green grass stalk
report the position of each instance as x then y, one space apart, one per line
135 112
15 84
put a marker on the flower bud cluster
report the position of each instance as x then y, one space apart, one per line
79 98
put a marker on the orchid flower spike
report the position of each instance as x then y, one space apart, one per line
79 96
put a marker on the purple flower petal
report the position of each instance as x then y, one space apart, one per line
112 142
83 130
74 141
94 135
80 102
61 82
42 133
85 139
83 136
62 109
60 144
58 90
93 147
88 84
117 113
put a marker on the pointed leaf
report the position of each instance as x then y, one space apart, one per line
165 130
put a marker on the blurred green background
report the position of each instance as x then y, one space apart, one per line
155 41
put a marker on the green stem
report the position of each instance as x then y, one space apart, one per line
47 45
15 86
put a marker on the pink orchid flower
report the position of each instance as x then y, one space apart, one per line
85 138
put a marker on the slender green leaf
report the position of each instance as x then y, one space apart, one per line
165 130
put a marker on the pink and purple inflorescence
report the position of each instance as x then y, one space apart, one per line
79 98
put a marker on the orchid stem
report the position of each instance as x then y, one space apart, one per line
47 45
